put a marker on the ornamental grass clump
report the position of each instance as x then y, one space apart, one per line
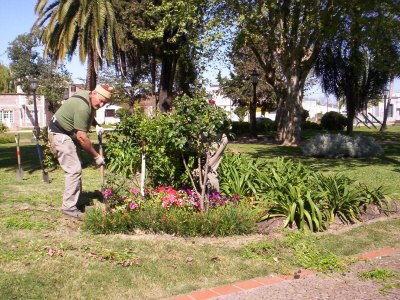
339 145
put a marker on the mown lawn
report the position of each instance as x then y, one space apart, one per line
43 256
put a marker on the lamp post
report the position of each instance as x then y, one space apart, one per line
385 109
36 128
253 106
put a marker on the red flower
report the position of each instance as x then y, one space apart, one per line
212 101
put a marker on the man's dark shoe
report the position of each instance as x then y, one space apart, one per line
75 213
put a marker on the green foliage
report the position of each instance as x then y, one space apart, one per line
219 221
262 250
3 128
339 198
49 159
333 120
240 128
163 160
305 198
311 125
236 175
6 138
188 134
299 248
338 145
6 85
307 255
377 274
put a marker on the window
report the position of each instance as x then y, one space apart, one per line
7 117
390 111
109 113
73 89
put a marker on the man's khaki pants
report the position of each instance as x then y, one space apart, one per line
67 155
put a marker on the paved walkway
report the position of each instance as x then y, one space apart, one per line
258 288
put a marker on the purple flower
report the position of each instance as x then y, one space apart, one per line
107 193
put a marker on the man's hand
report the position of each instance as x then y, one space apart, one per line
99 129
99 161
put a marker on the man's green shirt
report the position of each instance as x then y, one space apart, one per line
76 113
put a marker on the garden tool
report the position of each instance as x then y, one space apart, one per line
143 171
20 172
101 152
39 151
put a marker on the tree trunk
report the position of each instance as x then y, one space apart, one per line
289 113
91 74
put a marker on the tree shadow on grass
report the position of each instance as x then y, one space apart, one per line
29 158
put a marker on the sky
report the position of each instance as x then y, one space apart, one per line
17 17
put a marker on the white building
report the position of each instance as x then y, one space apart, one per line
223 102
377 111
107 114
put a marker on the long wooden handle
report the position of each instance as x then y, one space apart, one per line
101 152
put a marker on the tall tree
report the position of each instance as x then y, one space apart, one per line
285 37
166 35
25 59
6 84
26 63
357 62
89 26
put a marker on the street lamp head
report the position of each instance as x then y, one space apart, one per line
254 76
34 84
386 92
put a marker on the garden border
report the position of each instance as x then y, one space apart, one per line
247 285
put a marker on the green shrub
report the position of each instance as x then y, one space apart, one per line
236 175
49 159
311 125
333 120
6 138
3 128
266 125
172 140
338 145
240 128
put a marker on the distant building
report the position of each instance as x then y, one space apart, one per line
223 102
17 112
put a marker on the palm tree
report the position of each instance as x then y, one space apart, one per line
89 26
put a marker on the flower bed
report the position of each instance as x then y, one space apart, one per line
173 211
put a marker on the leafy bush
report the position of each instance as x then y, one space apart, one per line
175 142
240 128
333 120
6 138
266 125
338 145
3 128
311 125
49 159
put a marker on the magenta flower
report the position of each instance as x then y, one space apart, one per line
107 193
133 205
134 191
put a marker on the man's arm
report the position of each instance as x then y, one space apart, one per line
86 144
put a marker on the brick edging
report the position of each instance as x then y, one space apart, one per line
245 285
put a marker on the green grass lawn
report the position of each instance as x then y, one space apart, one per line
43 256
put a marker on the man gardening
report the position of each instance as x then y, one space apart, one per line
67 132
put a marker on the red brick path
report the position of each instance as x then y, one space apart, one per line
267 280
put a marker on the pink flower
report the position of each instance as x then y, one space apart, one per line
107 193
133 205
134 191
123 198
